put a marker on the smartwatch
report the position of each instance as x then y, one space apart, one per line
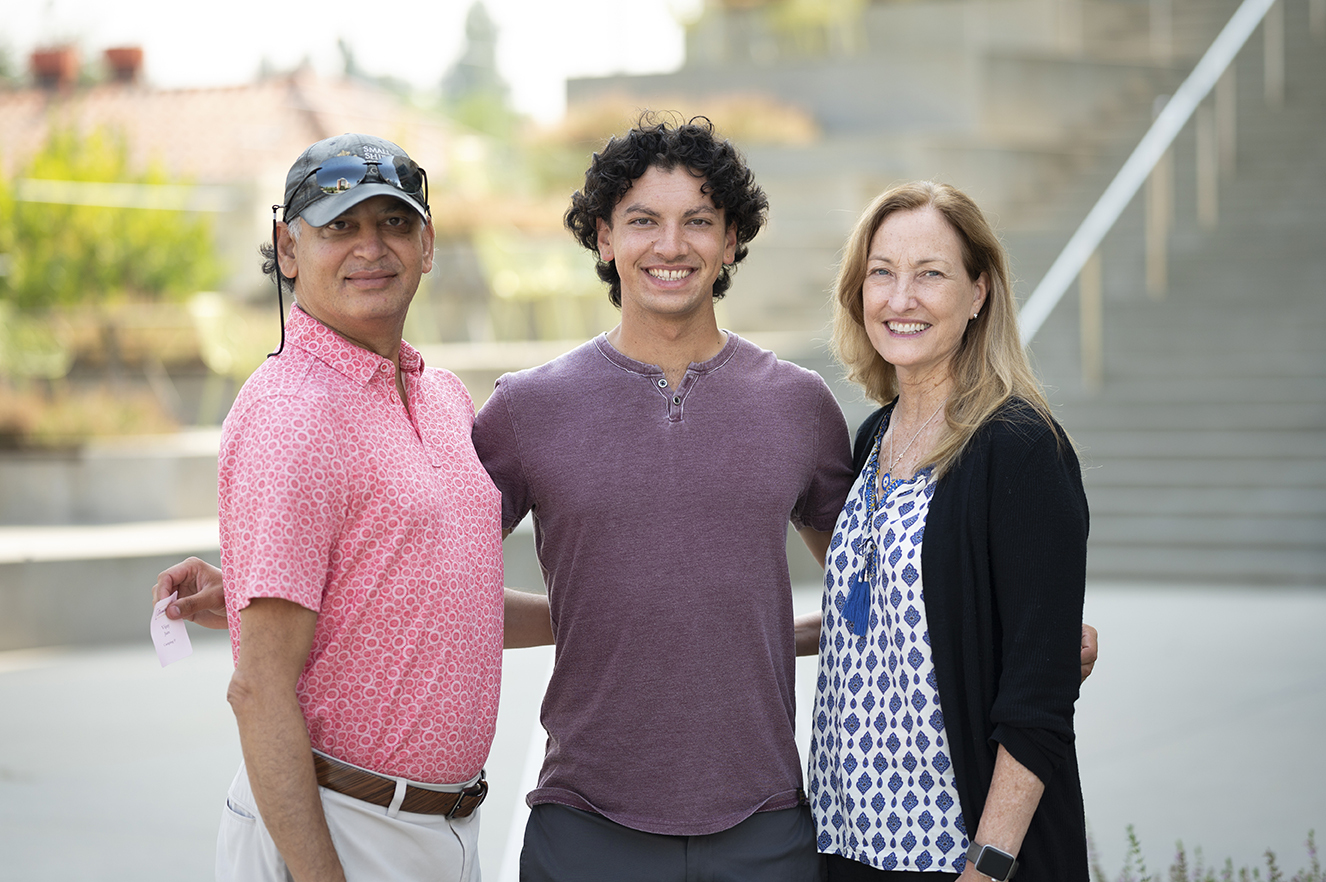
996 863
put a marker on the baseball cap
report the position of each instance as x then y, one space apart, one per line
336 174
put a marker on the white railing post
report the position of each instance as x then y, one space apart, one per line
1273 31
1208 168
1071 25
1138 167
1226 111
1159 220
1091 308
1162 31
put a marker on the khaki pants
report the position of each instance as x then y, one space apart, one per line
371 845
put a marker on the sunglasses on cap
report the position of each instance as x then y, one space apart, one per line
341 173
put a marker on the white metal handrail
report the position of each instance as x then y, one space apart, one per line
1171 120
171 197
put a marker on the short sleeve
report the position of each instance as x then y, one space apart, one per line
830 477
498 444
283 498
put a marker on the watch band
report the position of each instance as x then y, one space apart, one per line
990 861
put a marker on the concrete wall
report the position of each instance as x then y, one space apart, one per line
80 602
136 479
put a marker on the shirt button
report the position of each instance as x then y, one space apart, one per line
676 399
662 384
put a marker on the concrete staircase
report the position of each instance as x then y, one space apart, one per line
1205 447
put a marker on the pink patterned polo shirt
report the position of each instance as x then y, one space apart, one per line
382 520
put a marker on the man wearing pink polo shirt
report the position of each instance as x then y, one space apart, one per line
361 548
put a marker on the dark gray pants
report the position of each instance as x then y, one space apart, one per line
568 845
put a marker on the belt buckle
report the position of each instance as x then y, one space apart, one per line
479 789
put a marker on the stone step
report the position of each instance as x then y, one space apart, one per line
1177 366
1202 389
1136 471
1252 444
1246 531
1188 415
1173 372
1245 566
1187 501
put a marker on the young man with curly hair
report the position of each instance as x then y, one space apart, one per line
663 461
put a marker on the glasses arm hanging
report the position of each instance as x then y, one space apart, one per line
280 299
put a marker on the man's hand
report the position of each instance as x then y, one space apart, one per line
201 597
1090 650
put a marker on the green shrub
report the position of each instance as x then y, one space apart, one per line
74 255
1134 867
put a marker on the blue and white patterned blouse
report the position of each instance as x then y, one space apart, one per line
881 781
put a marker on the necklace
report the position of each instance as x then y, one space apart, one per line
914 437
856 606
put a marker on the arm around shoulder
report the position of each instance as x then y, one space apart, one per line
526 620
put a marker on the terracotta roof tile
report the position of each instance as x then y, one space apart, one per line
234 134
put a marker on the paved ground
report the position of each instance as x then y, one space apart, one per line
1202 723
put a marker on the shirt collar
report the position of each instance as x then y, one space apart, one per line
625 361
355 362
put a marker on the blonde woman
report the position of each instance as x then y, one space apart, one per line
942 744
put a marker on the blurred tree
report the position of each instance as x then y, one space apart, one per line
818 27
54 254
352 70
473 90
9 73
349 63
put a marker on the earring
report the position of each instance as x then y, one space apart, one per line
973 315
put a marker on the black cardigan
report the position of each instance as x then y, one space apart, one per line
1004 563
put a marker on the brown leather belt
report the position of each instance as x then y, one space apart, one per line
336 775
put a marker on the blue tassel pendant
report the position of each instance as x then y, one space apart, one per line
857 608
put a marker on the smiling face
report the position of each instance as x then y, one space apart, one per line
358 273
917 296
669 243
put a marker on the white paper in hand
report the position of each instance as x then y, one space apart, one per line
169 635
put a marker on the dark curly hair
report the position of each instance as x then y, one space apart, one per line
657 142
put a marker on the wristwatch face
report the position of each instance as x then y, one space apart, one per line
994 863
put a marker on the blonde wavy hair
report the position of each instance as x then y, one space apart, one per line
990 366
